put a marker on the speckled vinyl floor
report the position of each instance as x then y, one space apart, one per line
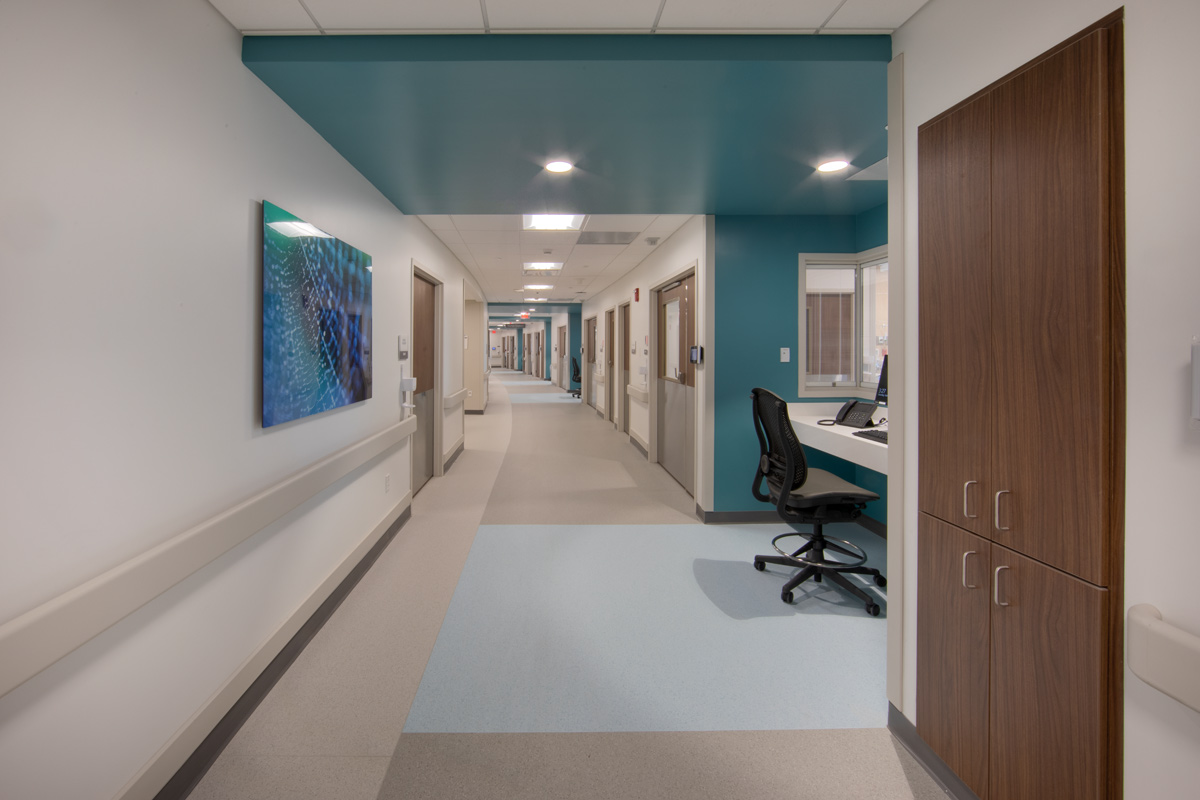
554 623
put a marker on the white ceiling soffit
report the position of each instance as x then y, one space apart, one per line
610 16
495 248
876 172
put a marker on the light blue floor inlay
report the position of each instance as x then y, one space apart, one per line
561 628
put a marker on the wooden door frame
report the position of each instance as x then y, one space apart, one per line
585 372
438 317
624 311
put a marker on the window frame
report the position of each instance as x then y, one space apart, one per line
859 261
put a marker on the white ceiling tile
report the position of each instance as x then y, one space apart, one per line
487 222
473 237
746 14
874 14
532 240
437 222
390 15
666 225
451 238
593 256
558 15
619 222
265 15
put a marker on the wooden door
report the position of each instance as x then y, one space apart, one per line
424 333
1049 680
957 406
1051 279
953 569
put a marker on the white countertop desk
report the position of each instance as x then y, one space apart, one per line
837 440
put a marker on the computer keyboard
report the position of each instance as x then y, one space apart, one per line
873 434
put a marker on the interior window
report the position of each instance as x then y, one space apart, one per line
843 321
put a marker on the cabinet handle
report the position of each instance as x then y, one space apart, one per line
965 584
996 587
1000 527
966 511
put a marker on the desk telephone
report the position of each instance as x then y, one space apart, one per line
856 414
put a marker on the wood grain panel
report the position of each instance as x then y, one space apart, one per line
952 648
424 333
956 408
1049 674
1050 287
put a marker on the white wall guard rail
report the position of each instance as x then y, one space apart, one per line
456 399
1164 656
39 637
638 393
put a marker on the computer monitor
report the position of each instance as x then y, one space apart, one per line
881 392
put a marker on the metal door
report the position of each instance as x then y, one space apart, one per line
676 377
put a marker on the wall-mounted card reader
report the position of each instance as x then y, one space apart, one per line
402 346
696 356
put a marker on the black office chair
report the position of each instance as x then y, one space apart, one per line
804 496
575 377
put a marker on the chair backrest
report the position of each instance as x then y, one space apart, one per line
574 369
781 460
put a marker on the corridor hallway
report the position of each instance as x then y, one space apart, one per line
553 622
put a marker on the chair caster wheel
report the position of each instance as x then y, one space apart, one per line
873 609
786 597
880 581
816 577
759 565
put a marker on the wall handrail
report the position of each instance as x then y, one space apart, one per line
455 399
1164 656
41 636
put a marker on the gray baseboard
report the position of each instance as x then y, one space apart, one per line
454 457
188 775
873 525
638 446
732 517
472 411
906 733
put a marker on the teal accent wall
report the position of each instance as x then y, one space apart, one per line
870 228
521 350
574 339
757 275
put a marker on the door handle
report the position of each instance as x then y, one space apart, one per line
965 584
996 587
966 511
1000 527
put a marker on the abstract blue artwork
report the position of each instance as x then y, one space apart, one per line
316 320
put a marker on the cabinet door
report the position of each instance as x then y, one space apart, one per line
1051 312
1048 682
952 648
956 411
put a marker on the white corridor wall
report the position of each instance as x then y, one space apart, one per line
136 151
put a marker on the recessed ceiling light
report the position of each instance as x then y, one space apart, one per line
537 287
542 265
560 166
536 300
833 166
553 222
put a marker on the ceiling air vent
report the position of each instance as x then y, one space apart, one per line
606 237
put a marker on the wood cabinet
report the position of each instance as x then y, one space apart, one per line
1021 428
1013 666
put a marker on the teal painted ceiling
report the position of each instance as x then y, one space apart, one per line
655 124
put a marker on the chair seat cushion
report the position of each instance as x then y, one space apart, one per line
823 488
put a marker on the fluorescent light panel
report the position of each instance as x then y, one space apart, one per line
537 287
553 222
534 266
